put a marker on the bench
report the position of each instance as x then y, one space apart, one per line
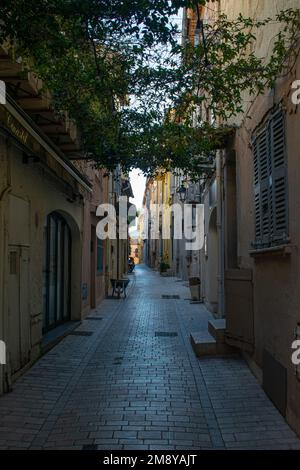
119 287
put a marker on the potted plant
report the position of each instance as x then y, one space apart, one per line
163 267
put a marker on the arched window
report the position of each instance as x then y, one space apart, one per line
57 272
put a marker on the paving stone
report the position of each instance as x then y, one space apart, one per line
125 434
149 435
135 447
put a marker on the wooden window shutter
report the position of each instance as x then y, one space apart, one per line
270 182
279 177
265 191
257 205
261 187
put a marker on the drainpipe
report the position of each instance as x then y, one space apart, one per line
220 229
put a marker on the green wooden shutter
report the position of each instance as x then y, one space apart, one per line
270 182
257 205
279 177
265 190
261 187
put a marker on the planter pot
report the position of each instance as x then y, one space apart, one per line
195 284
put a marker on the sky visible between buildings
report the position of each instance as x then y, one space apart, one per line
137 179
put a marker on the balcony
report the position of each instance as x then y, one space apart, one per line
27 91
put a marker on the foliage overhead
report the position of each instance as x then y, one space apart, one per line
135 92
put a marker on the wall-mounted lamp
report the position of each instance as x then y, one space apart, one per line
182 193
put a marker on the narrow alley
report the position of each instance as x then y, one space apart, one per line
127 378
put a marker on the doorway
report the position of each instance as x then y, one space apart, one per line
212 263
93 268
57 272
18 307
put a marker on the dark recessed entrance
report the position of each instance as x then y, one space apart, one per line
57 272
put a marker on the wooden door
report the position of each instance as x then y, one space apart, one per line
18 307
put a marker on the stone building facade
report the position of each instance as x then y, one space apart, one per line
250 263
52 270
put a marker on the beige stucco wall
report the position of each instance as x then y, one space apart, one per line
210 254
265 36
276 280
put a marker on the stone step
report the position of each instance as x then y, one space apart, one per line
205 345
216 328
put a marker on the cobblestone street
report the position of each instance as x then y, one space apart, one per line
133 382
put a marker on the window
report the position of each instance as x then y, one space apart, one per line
270 183
194 218
99 256
213 194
